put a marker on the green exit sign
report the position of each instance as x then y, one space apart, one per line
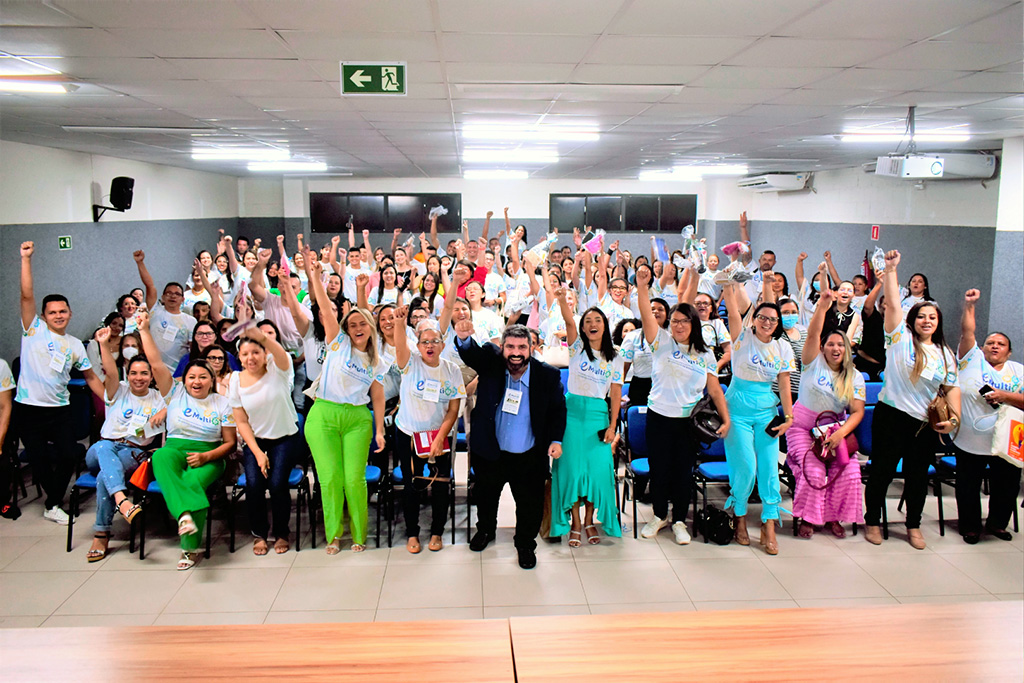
373 78
64 243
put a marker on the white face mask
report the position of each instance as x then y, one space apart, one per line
129 352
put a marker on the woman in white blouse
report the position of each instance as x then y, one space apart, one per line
200 433
261 398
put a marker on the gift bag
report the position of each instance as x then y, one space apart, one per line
143 475
1008 436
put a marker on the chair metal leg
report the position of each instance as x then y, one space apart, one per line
1016 528
451 506
209 532
74 513
231 521
938 497
142 527
298 518
885 521
632 495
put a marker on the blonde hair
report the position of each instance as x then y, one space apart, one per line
844 378
371 345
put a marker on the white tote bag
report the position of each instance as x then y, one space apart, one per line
1008 437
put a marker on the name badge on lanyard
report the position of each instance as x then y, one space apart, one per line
137 423
170 333
511 403
432 390
57 361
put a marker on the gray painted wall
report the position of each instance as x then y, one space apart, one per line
1007 299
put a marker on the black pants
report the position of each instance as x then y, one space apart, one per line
49 440
525 473
897 435
671 451
639 390
440 497
1004 484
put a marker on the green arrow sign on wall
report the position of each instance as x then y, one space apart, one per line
373 78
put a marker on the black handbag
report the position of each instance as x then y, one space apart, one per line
706 421
716 525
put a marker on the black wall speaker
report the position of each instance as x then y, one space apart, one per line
121 193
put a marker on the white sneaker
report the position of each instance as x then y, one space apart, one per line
681 534
652 527
56 515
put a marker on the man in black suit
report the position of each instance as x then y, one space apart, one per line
517 424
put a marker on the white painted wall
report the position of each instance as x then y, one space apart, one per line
46 185
852 196
1011 186
260 197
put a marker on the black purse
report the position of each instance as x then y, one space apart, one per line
706 421
716 525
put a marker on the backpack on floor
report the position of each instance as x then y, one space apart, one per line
716 525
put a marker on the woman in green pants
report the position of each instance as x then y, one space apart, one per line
339 427
200 433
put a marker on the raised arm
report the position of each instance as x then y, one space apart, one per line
396 233
869 302
316 283
402 351
216 298
831 268
281 358
686 289
812 347
531 272
513 240
259 292
362 281
602 273
110 382
767 291
571 332
893 312
451 288
337 258
643 302
433 233
161 375
147 279
28 297
281 253
302 323
487 228
369 249
232 259
801 257
735 316
748 254
967 324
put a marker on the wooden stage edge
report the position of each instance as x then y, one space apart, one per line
913 642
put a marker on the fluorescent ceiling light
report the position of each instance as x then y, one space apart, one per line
34 87
718 169
896 137
542 133
306 166
264 154
136 129
515 156
494 174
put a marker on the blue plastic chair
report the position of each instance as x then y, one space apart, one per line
154 491
638 468
564 372
872 389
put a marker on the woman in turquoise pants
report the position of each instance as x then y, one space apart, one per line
759 356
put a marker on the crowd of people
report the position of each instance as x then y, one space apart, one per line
365 354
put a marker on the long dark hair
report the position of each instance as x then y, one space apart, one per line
779 331
618 334
607 347
319 333
664 304
225 367
432 295
203 365
193 349
938 339
713 313
927 294
696 340
380 282
227 271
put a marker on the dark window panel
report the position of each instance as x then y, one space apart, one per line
567 212
368 212
604 213
328 212
407 213
640 212
678 211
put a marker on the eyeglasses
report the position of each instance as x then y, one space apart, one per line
680 321
206 333
218 359
431 342
619 287
766 319
702 304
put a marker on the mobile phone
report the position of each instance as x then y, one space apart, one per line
777 421
985 389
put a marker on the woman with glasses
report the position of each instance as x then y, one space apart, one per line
204 335
217 358
752 445
431 392
716 335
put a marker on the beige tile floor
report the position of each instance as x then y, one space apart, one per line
42 585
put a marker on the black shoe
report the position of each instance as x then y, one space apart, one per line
527 558
10 511
480 540
971 539
1001 534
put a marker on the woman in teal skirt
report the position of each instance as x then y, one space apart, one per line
200 433
585 472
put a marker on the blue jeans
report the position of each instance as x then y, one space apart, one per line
111 463
282 453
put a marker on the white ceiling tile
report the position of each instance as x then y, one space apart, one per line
399 47
246 89
333 17
985 82
752 77
941 54
665 50
170 88
835 97
938 99
1016 102
885 79
180 14
515 49
798 52
636 73
289 69
230 43
69 42
696 95
588 17
475 72
1001 27
707 17
596 108
117 69
35 14
885 19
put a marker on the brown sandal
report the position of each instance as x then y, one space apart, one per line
97 554
259 547
281 546
133 511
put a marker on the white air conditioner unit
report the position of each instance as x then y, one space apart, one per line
946 166
775 182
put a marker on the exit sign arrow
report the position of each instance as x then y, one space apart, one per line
359 79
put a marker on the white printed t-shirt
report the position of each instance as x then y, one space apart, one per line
172 334
347 373
592 378
757 361
197 419
818 388
47 359
127 414
419 411
979 418
678 377
897 389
